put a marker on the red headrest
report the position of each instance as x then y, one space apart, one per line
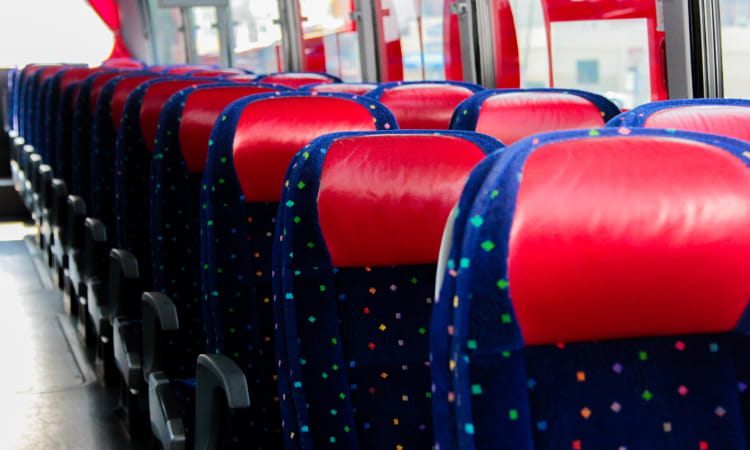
202 108
31 69
345 88
98 85
424 106
182 70
242 78
123 63
384 199
154 99
76 75
216 72
296 80
516 115
123 89
618 238
49 72
726 120
271 131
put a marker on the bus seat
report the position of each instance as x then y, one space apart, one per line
59 127
579 311
359 231
100 224
727 117
80 188
344 88
242 185
513 114
424 104
179 155
296 80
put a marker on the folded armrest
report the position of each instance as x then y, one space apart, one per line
159 318
164 413
123 283
217 375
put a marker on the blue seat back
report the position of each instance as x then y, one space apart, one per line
574 319
724 116
250 149
358 230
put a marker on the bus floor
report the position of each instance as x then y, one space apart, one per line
49 395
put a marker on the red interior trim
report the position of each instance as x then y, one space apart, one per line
271 131
514 116
122 91
617 238
201 110
424 106
384 199
726 120
154 100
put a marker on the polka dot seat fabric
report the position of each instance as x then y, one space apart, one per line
83 119
424 105
60 123
726 117
250 148
133 154
358 233
179 158
513 114
575 310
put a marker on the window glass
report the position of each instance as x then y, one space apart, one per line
531 35
206 29
52 31
330 38
609 57
168 34
257 35
735 35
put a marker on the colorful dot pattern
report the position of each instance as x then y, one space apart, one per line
353 341
491 392
81 141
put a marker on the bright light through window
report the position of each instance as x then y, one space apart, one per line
53 31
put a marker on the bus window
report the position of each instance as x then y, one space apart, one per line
531 36
610 47
168 34
205 25
735 34
257 35
331 43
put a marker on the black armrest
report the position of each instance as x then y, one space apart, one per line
166 421
94 248
159 317
123 284
58 193
217 375
126 348
73 237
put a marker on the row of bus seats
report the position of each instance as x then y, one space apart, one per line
307 286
